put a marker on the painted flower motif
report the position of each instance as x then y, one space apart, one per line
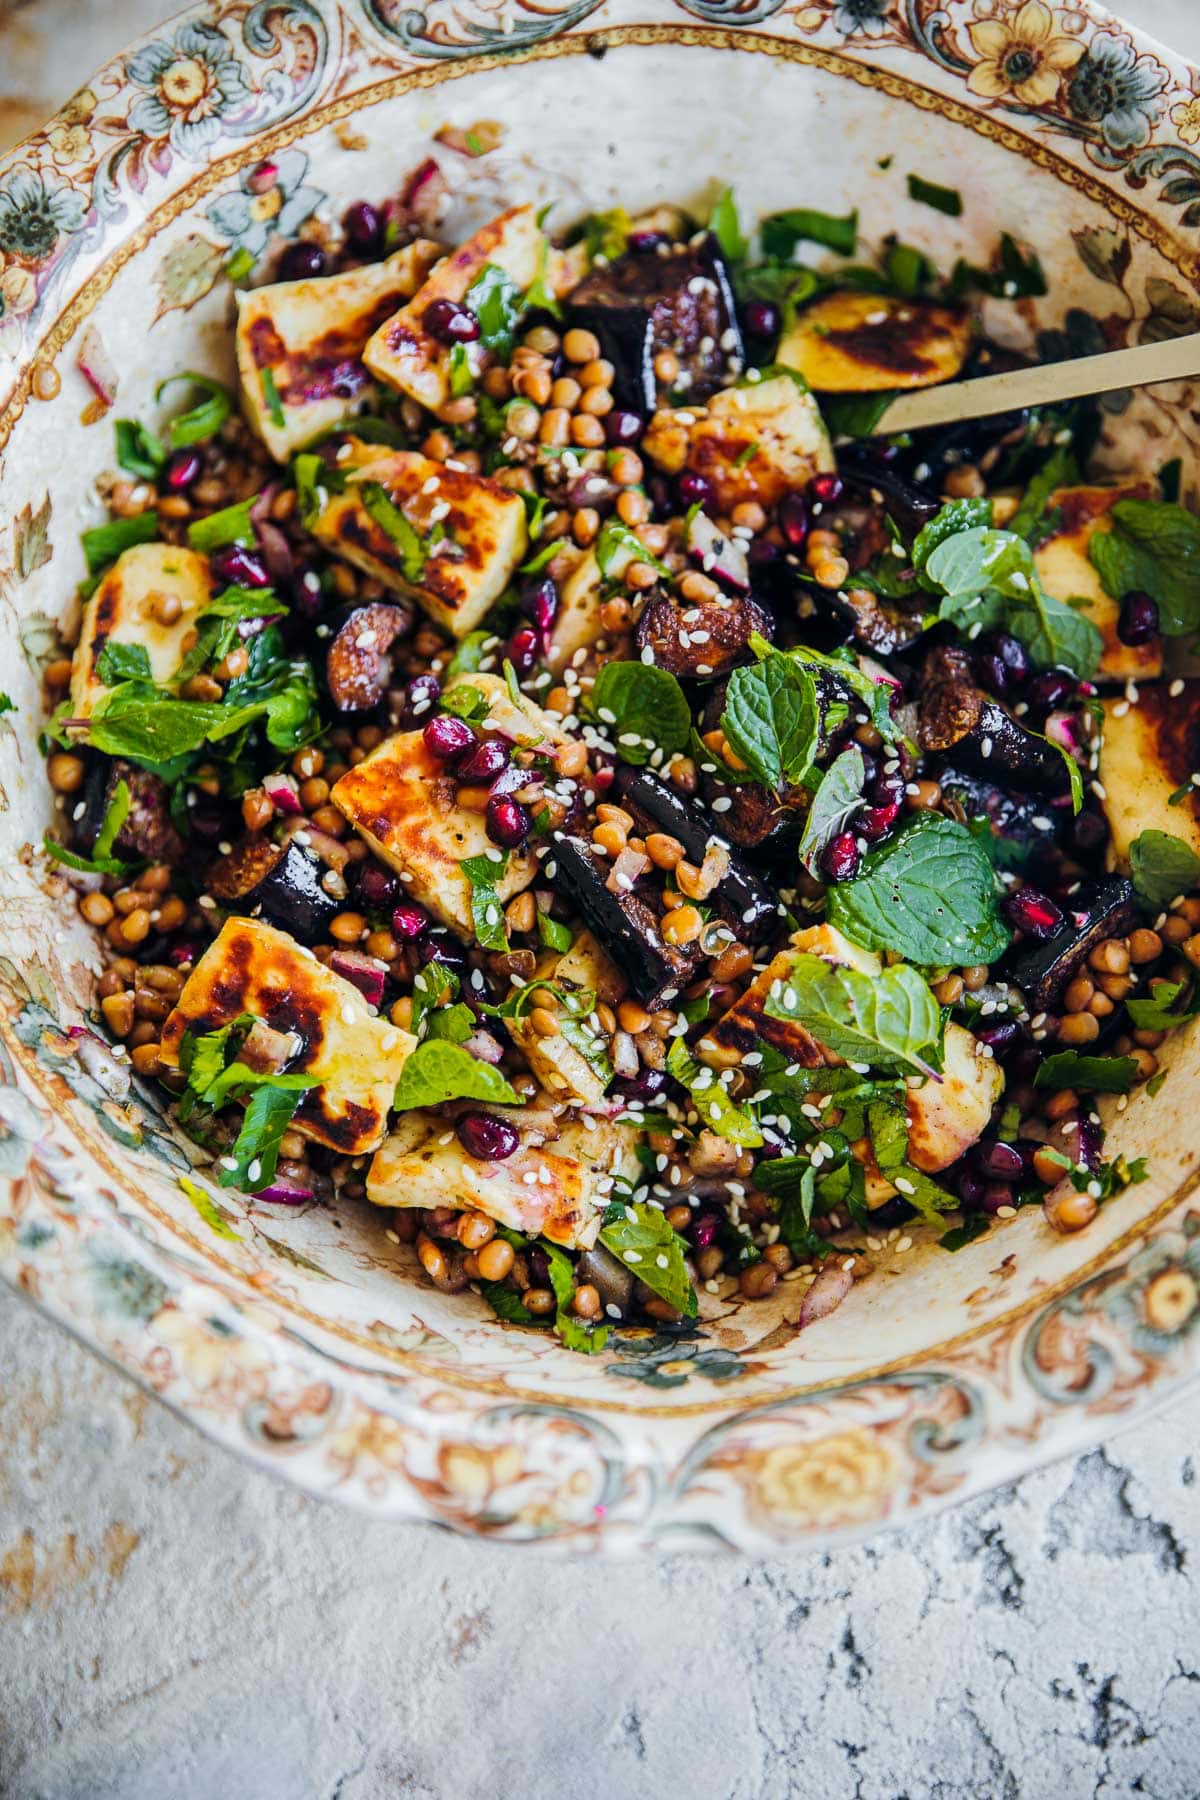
1022 57
866 17
839 1480
475 1475
35 213
271 199
207 1351
192 80
18 295
669 1359
1186 118
79 108
1158 1302
70 143
1119 90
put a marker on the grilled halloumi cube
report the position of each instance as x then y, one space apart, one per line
560 1067
471 530
1149 751
750 443
522 720
123 610
307 338
406 356
556 1185
849 342
356 1056
404 803
577 621
947 1115
1066 571
586 966
747 1023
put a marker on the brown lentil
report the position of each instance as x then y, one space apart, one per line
539 1301
495 1259
759 1280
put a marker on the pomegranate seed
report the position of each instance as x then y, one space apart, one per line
647 1084
524 648
1033 913
241 567
998 1034
761 319
826 490
450 322
843 858
645 240
1002 662
1052 688
970 1186
182 954
539 602
438 946
887 789
877 821
623 427
447 737
486 760
301 262
761 553
508 822
375 887
408 922
183 468
364 228
995 1195
1137 622
998 1162
486 1137
694 490
793 520
703 1229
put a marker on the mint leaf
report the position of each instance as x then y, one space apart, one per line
104 543
270 1110
956 516
271 397
928 894
487 914
575 1333
203 420
1033 519
644 709
1153 545
975 1225
1091 1074
432 985
102 858
771 718
552 933
1169 1004
138 450
834 804
875 695
495 300
942 199
711 1098
438 1071
122 662
232 525
975 568
618 544
890 1021
653 1252
380 506
1162 866
782 231
471 653
726 227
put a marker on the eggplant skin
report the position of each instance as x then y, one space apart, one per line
625 924
1097 910
642 303
278 882
697 641
148 830
957 717
749 903
358 665
1017 818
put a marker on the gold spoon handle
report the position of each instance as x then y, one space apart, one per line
1176 359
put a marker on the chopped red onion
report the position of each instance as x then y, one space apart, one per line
97 367
282 792
284 1192
363 972
722 557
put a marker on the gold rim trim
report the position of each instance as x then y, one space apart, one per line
49 1087
584 42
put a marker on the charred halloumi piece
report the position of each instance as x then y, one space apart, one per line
947 1115
756 442
307 338
556 1185
123 610
1066 571
354 1055
748 1024
560 1067
406 356
404 803
471 533
849 342
1149 751
577 621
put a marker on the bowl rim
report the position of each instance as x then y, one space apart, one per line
633 1493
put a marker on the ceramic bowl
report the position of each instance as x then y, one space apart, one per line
303 1338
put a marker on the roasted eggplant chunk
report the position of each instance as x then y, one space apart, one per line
643 303
958 718
358 664
148 831
701 639
911 503
1097 910
625 924
745 898
1021 821
278 882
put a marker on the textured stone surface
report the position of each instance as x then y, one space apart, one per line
174 1624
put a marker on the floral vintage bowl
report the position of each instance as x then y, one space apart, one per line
303 1339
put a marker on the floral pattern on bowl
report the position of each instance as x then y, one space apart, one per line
301 1340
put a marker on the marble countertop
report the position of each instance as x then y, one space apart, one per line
175 1624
